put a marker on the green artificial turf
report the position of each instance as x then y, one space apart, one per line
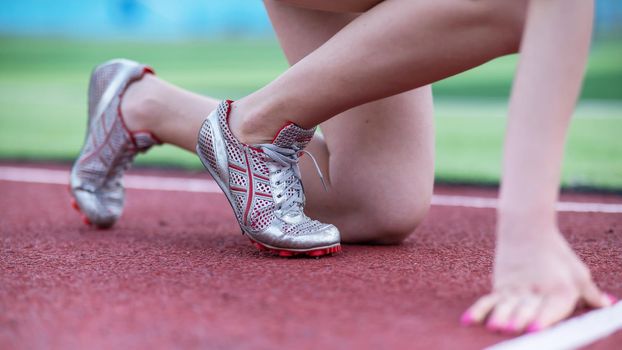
43 91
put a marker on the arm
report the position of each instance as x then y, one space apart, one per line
538 280
554 53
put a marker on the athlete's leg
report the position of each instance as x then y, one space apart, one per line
472 32
174 115
395 46
171 113
362 145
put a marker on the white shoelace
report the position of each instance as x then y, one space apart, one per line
287 177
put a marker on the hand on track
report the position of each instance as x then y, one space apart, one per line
537 282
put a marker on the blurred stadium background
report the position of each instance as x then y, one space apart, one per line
226 48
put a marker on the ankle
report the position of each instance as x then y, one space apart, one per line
253 124
139 105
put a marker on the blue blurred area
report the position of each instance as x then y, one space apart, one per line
156 19
608 17
165 19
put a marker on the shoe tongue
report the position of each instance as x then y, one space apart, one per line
292 135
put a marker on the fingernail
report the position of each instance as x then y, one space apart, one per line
611 298
533 327
510 327
467 319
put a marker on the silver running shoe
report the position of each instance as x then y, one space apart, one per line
262 183
109 147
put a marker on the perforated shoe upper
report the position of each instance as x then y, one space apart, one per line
109 147
262 183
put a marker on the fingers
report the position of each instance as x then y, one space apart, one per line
594 296
531 312
478 311
526 313
554 308
510 313
501 317
520 312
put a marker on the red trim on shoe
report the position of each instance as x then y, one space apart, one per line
99 147
249 197
254 148
281 129
74 204
262 177
228 111
240 169
239 189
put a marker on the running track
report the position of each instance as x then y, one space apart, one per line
176 273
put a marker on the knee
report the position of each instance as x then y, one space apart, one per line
391 223
509 18
503 19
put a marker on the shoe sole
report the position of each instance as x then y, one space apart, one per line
284 252
316 252
262 247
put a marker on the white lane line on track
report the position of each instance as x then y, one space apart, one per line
571 334
138 182
160 183
490 203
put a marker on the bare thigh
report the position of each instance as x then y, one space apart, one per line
378 157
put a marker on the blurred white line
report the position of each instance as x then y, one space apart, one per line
571 334
160 183
138 182
491 203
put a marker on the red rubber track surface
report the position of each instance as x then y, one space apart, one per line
175 272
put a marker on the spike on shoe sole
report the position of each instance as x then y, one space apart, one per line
290 253
75 206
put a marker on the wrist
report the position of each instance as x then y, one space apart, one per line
521 222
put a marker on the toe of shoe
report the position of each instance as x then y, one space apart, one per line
327 236
330 235
95 208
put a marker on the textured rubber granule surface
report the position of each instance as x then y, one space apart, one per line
175 272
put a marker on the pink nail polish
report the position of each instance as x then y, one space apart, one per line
467 319
611 298
533 327
510 327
